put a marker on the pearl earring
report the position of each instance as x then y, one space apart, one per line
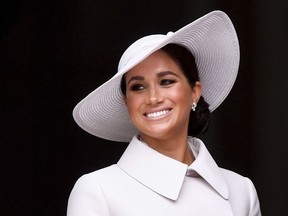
194 105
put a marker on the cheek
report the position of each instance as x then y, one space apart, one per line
181 95
132 103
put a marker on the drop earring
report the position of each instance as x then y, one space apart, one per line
194 105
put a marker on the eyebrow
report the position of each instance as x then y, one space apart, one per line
164 73
159 75
136 78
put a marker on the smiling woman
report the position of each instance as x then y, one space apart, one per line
159 98
164 90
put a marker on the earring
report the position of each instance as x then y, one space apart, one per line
194 105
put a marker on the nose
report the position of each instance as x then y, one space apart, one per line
153 96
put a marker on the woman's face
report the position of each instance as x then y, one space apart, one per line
159 97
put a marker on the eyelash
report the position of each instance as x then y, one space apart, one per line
140 87
167 82
137 87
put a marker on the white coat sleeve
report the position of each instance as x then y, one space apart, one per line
87 199
254 201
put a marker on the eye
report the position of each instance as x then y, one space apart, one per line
137 87
167 82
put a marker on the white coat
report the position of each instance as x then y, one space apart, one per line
147 183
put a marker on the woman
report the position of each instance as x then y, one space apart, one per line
165 88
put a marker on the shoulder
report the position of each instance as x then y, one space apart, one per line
242 193
238 183
101 173
88 190
234 178
98 181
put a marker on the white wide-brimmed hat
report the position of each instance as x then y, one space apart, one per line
213 42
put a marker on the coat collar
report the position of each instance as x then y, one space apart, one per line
165 175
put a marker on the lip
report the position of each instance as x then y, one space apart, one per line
156 114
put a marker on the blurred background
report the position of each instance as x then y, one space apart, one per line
53 53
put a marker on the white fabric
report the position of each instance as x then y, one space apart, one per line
145 182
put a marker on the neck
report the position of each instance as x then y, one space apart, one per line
176 148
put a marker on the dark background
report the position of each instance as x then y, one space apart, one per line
53 53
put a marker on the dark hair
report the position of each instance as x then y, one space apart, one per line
200 119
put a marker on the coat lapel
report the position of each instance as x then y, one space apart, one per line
165 175
207 168
158 172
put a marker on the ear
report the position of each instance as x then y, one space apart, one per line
197 91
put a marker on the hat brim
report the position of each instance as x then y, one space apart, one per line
212 40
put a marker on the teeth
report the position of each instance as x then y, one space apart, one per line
157 114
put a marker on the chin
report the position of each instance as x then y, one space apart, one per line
157 134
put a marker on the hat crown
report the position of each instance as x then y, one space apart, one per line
140 50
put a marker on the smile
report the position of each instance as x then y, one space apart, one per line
157 114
